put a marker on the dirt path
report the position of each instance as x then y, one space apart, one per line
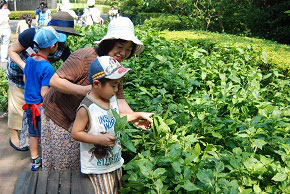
12 162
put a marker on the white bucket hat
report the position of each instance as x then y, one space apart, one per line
91 2
122 28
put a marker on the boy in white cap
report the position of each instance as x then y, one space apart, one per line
37 74
94 125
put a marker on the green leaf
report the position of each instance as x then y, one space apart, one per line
175 151
220 166
145 171
242 135
158 172
189 186
127 143
205 176
264 57
121 123
257 189
203 75
162 59
176 166
197 149
159 185
259 143
280 177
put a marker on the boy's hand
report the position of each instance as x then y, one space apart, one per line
144 121
106 140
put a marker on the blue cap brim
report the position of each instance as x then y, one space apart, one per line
62 37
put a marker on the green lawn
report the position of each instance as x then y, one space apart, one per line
278 54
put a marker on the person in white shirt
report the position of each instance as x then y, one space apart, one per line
23 24
5 31
113 13
67 7
92 15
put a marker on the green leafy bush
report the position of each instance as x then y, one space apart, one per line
141 17
3 91
224 125
17 15
164 23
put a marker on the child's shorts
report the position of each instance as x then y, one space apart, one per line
108 182
33 132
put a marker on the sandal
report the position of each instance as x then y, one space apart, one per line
18 148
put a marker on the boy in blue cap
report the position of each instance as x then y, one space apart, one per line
37 74
94 126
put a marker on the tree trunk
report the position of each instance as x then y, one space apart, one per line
15 7
221 25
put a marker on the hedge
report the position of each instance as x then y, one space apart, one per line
17 15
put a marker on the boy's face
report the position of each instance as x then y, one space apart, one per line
109 89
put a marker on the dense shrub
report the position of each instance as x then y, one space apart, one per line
139 18
164 23
17 15
3 91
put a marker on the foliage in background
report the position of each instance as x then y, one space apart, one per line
17 15
3 91
277 53
164 23
262 18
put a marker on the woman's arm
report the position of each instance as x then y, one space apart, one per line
124 107
13 51
67 87
78 131
44 90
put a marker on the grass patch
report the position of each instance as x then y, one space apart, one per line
278 54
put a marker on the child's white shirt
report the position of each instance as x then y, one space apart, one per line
94 158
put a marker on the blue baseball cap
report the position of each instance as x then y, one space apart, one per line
106 67
47 36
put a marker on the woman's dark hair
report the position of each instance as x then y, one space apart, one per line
107 45
2 3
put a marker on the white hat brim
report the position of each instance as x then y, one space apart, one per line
117 75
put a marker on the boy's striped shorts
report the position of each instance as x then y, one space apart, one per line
108 183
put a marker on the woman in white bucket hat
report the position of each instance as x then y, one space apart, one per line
70 84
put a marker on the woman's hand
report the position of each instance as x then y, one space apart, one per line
144 121
140 119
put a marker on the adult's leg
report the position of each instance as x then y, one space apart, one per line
15 112
5 44
59 150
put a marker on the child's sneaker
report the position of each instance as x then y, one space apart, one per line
36 164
